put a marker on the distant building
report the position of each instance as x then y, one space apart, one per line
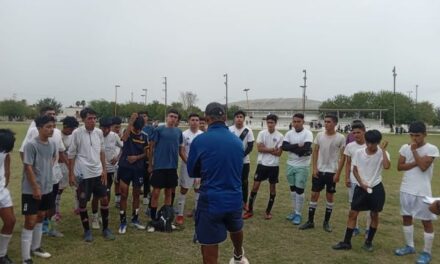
70 111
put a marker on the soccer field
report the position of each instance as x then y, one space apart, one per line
266 241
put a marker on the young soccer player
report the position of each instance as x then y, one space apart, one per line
298 143
328 161
269 143
148 130
132 169
7 140
38 157
246 136
202 124
369 193
116 128
185 181
416 160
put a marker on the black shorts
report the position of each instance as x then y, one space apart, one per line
265 172
325 179
245 172
164 178
31 206
87 187
128 175
364 201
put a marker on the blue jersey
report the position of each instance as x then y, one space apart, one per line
148 130
135 145
167 141
217 158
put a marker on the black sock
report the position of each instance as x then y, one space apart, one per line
84 219
270 203
371 233
328 213
251 201
311 214
348 235
153 211
122 217
134 216
104 215
94 211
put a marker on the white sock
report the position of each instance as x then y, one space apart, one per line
26 241
292 196
299 202
429 238
408 232
95 215
117 198
196 200
180 204
4 242
37 233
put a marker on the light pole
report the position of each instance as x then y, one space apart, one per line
304 92
226 86
417 92
409 94
247 98
165 83
145 95
394 97
116 98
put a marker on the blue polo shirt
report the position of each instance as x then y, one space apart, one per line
167 141
217 158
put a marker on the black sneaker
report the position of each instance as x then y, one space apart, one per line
327 227
307 225
368 246
342 246
5 260
28 261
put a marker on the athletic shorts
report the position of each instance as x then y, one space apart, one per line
351 191
364 201
87 187
5 198
31 206
413 205
185 181
128 175
211 229
297 176
265 172
164 178
324 179
245 171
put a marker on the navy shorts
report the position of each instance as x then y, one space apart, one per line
211 229
128 175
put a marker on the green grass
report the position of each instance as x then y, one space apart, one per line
275 241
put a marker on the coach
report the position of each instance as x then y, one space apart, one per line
217 158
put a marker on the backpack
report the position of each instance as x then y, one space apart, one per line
164 219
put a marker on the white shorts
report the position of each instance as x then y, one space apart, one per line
185 181
413 205
351 192
5 198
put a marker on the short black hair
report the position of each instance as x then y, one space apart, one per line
173 111
193 115
42 120
359 125
272 117
44 109
240 112
417 127
87 111
7 140
70 122
373 136
139 123
145 112
332 117
202 118
299 115
105 122
116 120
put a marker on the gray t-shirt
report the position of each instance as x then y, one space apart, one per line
41 156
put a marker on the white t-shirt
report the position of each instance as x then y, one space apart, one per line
2 170
415 181
329 148
249 138
112 146
349 151
293 137
369 166
269 140
188 137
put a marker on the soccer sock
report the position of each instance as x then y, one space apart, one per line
58 202
37 233
26 241
408 232
180 204
348 235
4 242
429 238
252 198
135 215
270 203
84 218
299 201
312 209
328 211
153 211
104 215
292 197
117 197
196 200
122 217
371 233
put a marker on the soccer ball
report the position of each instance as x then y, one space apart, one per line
243 260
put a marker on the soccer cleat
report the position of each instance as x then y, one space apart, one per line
342 246
307 225
95 221
239 259
150 229
290 216
179 220
5 260
297 219
406 250
122 228
356 231
424 258
55 233
39 252
268 216
88 236
107 234
247 215
367 246
327 227
28 261
137 224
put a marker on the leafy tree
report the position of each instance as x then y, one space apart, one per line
102 107
49 102
188 99
15 110
231 110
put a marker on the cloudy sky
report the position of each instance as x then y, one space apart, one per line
74 50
